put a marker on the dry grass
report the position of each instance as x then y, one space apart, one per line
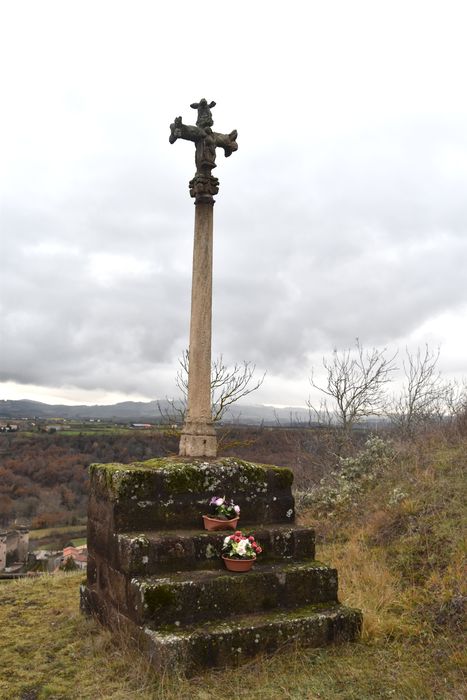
367 582
51 651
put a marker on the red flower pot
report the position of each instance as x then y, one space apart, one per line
216 524
238 564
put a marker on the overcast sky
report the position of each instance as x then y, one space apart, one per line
342 214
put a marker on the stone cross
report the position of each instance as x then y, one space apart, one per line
198 437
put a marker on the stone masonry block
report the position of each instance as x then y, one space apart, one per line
230 643
206 595
169 493
164 551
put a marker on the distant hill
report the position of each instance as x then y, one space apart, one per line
145 411
36 409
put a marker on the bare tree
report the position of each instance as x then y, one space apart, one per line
355 384
424 396
228 385
322 414
455 398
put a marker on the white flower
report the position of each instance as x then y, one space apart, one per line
237 509
227 539
241 547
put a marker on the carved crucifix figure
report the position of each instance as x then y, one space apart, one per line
198 435
204 185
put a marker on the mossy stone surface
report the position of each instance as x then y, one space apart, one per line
229 643
171 492
205 595
156 573
160 552
121 480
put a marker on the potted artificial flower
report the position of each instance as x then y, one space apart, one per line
224 514
239 551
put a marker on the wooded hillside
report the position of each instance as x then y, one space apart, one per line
43 477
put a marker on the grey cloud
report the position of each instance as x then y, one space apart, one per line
334 219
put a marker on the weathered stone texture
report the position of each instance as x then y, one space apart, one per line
155 573
180 550
233 642
167 494
207 595
198 436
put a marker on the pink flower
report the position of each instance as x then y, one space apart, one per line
258 550
251 538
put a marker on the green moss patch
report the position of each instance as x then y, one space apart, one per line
159 597
195 476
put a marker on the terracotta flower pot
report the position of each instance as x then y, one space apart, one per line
216 524
238 564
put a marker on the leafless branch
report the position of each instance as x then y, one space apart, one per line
173 412
228 384
424 396
456 398
355 384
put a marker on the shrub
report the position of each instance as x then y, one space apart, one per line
340 490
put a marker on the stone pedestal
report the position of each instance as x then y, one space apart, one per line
155 573
198 439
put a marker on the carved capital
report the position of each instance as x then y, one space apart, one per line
204 187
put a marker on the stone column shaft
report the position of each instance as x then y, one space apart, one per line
198 437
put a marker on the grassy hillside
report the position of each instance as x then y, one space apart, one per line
391 521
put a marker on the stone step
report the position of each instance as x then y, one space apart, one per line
231 642
188 597
174 492
185 550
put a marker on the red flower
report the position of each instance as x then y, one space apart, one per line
251 538
232 537
258 550
238 533
237 539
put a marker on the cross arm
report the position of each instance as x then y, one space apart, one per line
178 130
227 142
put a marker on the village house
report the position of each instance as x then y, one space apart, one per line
8 427
79 555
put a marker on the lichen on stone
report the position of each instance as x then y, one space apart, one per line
211 552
